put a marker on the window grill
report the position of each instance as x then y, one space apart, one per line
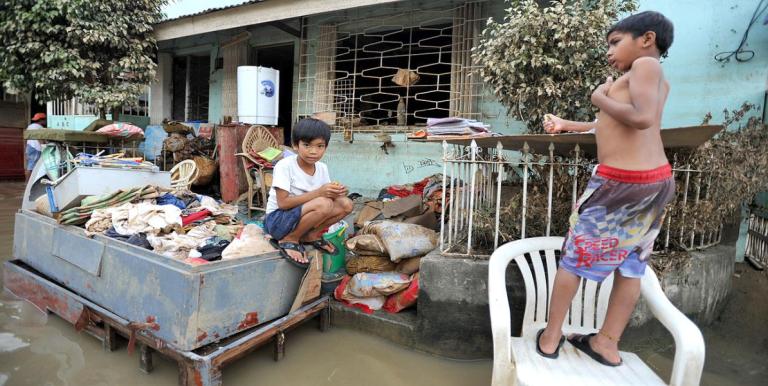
358 65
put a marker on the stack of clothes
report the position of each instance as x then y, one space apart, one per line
417 203
182 225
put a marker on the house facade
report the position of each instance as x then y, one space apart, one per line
383 67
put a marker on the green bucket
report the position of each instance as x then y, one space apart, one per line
334 263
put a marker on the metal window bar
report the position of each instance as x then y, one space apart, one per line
475 183
75 106
368 46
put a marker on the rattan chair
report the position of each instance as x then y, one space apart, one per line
184 174
257 139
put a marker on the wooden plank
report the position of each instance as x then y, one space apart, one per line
145 359
265 334
682 137
309 289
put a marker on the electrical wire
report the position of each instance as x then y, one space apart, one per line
741 54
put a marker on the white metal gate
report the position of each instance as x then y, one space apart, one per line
757 239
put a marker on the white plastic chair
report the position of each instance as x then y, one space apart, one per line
515 361
184 174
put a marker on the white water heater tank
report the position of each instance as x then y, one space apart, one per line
257 95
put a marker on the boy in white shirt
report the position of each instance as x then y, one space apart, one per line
303 201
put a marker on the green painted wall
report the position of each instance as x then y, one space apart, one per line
699 84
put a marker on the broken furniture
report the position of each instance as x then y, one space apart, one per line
68 142
515 360
259 178
183 174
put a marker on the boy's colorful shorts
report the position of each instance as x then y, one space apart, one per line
615 222
280 222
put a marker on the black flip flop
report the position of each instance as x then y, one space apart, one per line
553 355
292 246
581 342
321 244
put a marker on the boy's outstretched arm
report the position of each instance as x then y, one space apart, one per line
554 124
644 86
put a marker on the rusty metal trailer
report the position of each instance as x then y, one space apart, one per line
202 316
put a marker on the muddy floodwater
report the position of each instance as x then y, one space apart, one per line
39 349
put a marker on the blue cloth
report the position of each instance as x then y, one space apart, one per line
32 156
280 222
170 199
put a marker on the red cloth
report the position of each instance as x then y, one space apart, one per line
405 190
195 216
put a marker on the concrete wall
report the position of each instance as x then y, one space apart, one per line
160 90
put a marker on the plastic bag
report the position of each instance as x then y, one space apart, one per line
365 285
250 242
368 305
403 240
369 245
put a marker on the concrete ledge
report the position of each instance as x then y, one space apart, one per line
452 318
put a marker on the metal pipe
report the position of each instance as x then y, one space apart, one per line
442 200
499 178
525 189
550 185
473 149
685 202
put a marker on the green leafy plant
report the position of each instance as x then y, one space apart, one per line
548 59
99 51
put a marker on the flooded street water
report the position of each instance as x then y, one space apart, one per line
39 349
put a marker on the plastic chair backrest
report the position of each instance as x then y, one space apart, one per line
184 173
538 268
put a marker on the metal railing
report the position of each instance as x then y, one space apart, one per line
757 239
76 107
495 195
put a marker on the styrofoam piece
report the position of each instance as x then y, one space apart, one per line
90 181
